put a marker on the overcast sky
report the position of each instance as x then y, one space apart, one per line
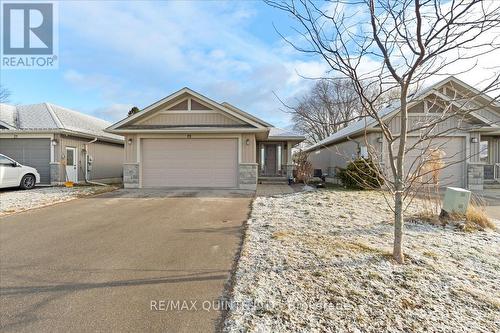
114 55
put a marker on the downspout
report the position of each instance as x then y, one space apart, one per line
87 163
358 152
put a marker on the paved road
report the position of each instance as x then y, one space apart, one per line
96 264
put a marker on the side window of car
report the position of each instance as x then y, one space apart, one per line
4 161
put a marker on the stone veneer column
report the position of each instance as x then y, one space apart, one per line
56 174
248 176
131 175
475 176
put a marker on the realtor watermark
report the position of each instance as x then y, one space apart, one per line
179 305
29 33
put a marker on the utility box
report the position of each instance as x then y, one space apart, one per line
456 200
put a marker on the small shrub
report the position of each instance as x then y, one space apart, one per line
362 174
304 167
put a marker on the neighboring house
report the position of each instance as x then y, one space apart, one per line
61 144
188 140
471 144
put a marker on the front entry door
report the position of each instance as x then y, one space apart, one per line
71 165
270 166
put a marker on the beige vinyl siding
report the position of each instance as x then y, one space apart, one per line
195 118
189 162
337 155
474 147
248 151
107 157
416 121
130 150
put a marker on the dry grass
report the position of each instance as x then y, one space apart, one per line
476 218
280 235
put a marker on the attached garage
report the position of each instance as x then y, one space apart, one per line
190 162
33 152
453 173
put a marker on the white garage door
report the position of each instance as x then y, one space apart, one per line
189 162
453 173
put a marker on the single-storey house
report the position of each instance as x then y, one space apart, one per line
61 144
188 140
470 142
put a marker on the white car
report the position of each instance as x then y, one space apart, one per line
13 174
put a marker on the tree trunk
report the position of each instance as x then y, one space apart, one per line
398 228
399 178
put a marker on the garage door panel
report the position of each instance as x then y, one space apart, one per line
453 172
31 152
189 162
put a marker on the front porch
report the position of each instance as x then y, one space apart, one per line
274 159
484 168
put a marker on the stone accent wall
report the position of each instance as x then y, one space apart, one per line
248 176
131 175
56 176
475 176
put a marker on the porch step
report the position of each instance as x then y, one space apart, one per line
273 180
491 186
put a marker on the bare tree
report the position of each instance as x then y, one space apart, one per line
388 45
4 94
327 107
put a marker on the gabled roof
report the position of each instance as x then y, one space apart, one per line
369 123
48 117
230 110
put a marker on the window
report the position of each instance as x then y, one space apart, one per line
6 161
262 156
279 158
70 159
483 151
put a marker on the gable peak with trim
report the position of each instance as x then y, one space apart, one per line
188 109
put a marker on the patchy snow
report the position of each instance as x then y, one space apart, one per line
320 261
13 201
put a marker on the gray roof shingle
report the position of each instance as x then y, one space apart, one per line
279 132
46 116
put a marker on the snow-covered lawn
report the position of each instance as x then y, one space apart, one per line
13 201
320 261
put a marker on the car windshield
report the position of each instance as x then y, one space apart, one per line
6 160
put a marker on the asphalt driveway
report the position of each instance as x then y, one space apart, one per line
102 263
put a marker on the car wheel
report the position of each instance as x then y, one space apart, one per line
28 182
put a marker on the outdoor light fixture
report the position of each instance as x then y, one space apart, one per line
473 140
247 142
129 141
53 142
